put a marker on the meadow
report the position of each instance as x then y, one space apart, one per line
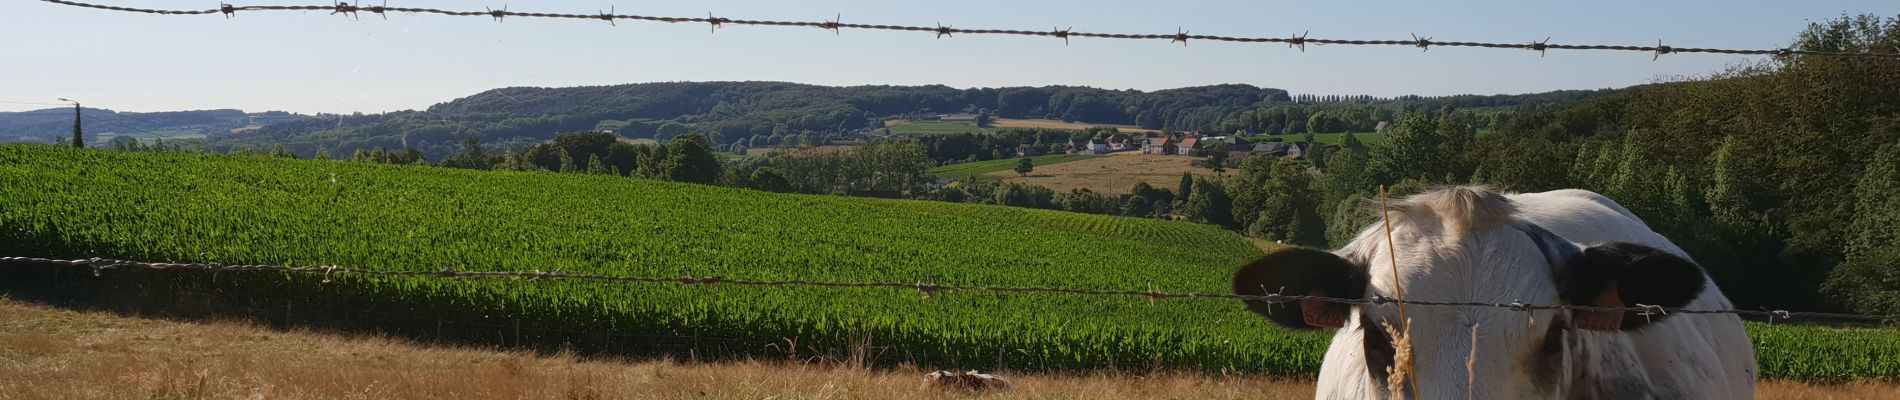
1056 124
71 203
965 170
1113 174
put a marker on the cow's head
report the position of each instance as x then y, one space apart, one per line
1466 245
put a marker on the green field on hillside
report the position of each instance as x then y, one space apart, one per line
934 128
71 203
969 169
58 202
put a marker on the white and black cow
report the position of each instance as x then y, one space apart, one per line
1473 244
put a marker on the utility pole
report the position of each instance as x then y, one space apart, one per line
79 140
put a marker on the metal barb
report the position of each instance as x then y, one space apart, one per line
714 22
833 24
1661 50
1424 44
609 15
943 31
1380 299
1298 41
1062 33
346 9
228 10
380 10
1651 310
498 14
1180 36
1540 46
1519 306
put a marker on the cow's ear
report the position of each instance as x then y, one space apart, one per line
1301 271
1627 275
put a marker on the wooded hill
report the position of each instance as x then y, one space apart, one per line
778 112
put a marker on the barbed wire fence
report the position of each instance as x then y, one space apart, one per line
1182 36
929 286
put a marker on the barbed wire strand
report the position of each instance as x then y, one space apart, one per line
928 286
1181 36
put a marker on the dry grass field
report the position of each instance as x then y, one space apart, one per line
1056 124
1114 174
51 353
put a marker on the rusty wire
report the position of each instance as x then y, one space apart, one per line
1181 36
928 286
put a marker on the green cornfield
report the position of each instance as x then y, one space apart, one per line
71 203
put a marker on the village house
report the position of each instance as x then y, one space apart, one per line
1186 146
1163 144
1280 149
1024 150
1275 149
1122 142
1079 146
1298 150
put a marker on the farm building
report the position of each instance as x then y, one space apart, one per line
1270 148
1024 150
1158 145
1280 149
1123 142
1297 150
1187 146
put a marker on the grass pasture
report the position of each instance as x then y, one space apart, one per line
1058 124
979 168
1111 174
74 203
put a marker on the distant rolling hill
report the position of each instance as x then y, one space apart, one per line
752 112
43 126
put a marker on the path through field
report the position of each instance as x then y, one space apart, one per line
51 353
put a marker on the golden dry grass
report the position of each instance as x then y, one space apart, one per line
1115 174
49 353
1055 124
640 141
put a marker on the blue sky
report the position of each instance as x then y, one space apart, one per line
312 62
